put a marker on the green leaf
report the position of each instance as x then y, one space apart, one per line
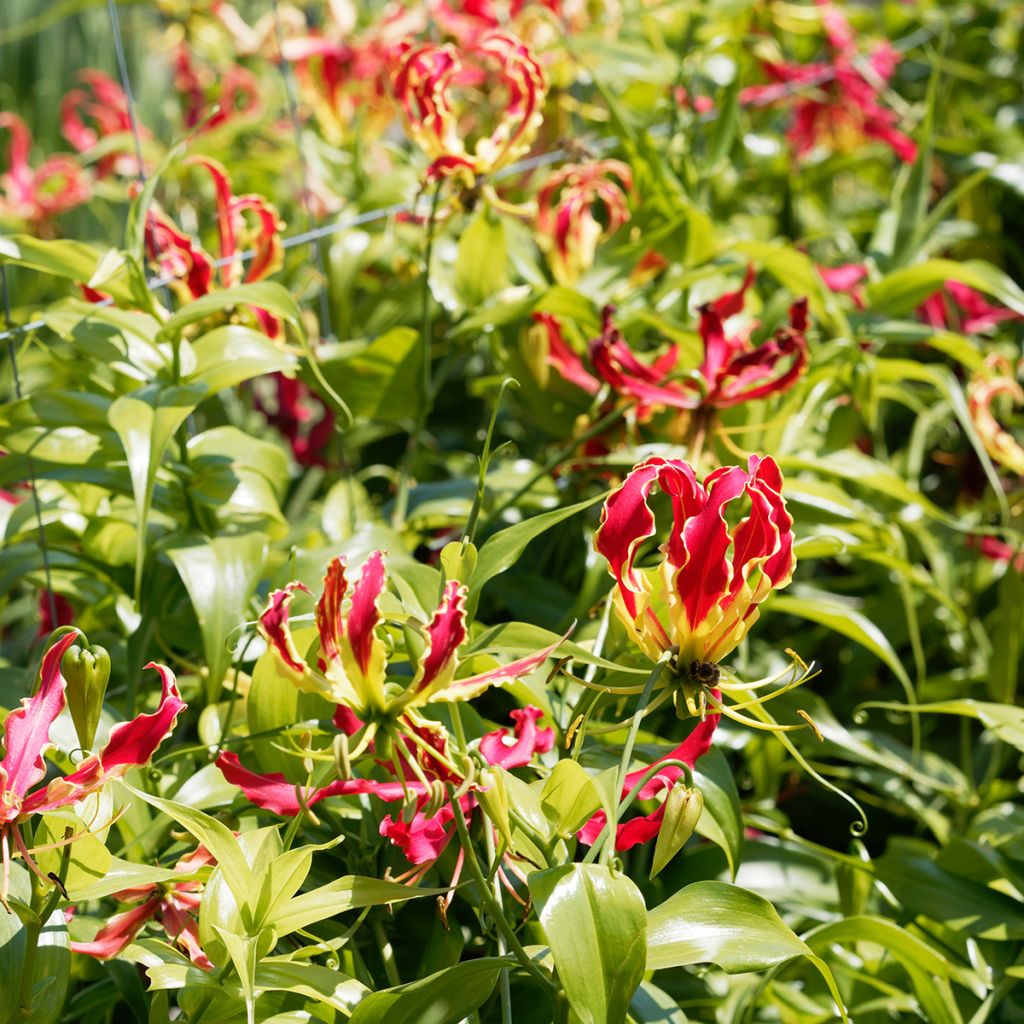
502 549
380 379
1005 720
447 997
721 820
65 258
215 836
817 606
650 1005
596 924
569 797
268 295
120 874
145 421
522 638
312 981
228 355
962 904
52 967
739 931
1006 630
347 893
905 289
480 263
220 575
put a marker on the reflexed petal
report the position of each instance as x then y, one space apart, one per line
275 629
472 686
423 839
120 930
27 728
364 654
328 610
275 793
563 358
445 634
131 743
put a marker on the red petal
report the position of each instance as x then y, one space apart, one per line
274 793
423 839
118 931
328 610
445 634
27 729
364 616
528 740
274 626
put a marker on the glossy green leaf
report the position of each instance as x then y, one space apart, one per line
569 797
500 551
595 922
721 820
446 997
228 355
480 264
268 295
65 258
52 964
904 289
739 931
220 575
145 421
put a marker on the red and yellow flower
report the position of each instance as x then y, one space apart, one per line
568 229
425 83
701 598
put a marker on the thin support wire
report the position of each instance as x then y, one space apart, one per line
326 327
29 464
126 85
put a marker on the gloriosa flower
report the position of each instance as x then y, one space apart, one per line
844 106
27 734
96 110
351 671
191 269
732 371
958 307
174 905
702 597
238 93
36 196
566 206
425 81
997 378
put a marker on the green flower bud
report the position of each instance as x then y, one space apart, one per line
683 807
87 671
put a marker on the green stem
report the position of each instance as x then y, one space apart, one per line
402 497
503 977
560 456
387 954
492 906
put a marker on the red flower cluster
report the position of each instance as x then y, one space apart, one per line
845 105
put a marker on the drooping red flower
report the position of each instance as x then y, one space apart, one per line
301 417
27 734
567 205
838 103
702 597
36 196
97 110
643 828
425 83
172 905
238 93
733 370
958 307
243 222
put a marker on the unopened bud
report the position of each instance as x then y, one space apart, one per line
87 672
683 807
493 798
